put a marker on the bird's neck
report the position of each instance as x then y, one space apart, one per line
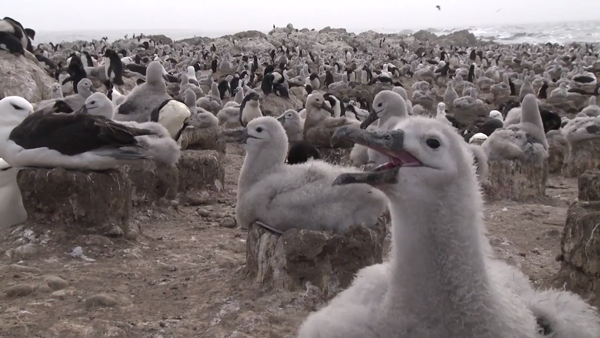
438 255
259 164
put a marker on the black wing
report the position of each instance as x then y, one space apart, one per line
126 108
72 134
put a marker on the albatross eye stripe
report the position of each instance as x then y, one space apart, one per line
17 107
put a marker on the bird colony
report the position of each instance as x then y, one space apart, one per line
422 126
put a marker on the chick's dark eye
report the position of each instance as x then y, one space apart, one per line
93 102
259 129
433 143
380 104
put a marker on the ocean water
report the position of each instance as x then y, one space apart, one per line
565 32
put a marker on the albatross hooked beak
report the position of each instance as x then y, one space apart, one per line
324 106
390 143
281 118
370 119
239 135
82 110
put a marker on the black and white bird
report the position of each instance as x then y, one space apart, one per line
77 141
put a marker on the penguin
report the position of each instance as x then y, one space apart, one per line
14 27
234 83
281 90
113 68
250 108
87 60
223 88
30 33
267 84
314 80
11 43
213 65
76 72
301 152
328 78
542 93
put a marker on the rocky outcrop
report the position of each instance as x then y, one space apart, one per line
162 39
23 77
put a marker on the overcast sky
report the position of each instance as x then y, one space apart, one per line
236 15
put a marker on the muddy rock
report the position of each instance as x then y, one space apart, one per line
24 268
228 222
25 251
101 300
327 261
583 155
19 290
90 201
56 283
516 180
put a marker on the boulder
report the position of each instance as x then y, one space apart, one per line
23 77
328 261
460 38
516 180
273 105
200 168
77 201
583 155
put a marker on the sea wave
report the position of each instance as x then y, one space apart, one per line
563 33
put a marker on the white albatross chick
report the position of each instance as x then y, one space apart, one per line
441 280
441 113
76 141
497 115
525 140
11 203
299 196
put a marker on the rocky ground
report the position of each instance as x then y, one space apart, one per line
185 276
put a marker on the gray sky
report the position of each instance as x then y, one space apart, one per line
237 15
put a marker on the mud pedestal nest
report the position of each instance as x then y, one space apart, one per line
556 157
580 242
328 261
516 180
583 155
201 139
339 156
200 168
152 181
86 201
